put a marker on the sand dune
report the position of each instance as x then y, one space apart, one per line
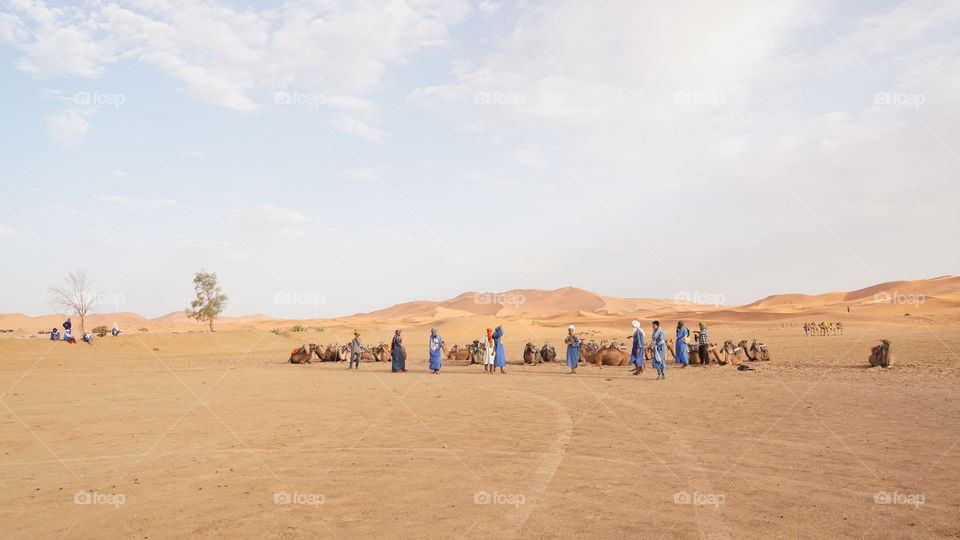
936 300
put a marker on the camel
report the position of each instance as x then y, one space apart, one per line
756 351
303 354
548 353
343 353
381 353
588 351
731 354
456 353
531 355
880 355
476 354
611 356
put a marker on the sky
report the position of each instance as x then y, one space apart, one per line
332 157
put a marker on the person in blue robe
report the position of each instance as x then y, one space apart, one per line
55 335
659 343
636 352
436 347
573 349
398 354
681 356
500 356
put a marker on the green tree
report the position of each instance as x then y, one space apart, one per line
210 301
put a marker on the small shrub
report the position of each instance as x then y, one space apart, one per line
144 330
156 348
321 329
275 331
100 330
298 328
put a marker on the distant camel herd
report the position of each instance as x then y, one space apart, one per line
823 329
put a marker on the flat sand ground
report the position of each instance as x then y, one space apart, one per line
196 434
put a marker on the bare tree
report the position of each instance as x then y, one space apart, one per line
74 296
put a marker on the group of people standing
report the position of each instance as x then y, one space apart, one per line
493 356
491 349
658 342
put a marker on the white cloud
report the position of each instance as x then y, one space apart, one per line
351 104
265 215
119 173
67 211
195 154
229 56
69 126
363 173
201 244
489 8
530 157
356 128
6 231
137 204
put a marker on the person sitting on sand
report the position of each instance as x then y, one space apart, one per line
356 348
659 342
68 337
435 347
88 337
573 349
488 351
115 331
681 354
500 360
397 353
55 335
636 352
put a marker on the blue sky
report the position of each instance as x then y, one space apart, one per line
361 154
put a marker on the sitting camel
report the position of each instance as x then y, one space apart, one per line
880 355
756 351
381 353
531 355
732 354
548 353
588 351
303 354
456 353
611 356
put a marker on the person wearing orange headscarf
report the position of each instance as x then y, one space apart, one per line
488 351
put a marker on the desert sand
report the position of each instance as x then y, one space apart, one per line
173 431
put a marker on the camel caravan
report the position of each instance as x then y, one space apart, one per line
823 328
